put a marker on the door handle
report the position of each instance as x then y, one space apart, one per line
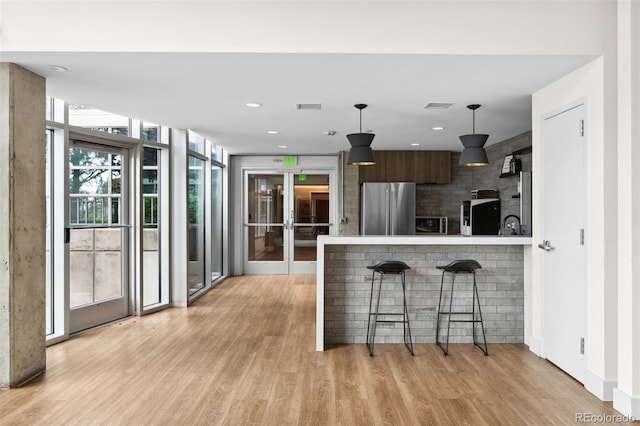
546 246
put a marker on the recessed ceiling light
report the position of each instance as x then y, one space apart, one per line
57 68
437 128
330 132
282 146
253 105
415 144
272 132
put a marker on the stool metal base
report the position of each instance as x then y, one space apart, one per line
469 267
383 269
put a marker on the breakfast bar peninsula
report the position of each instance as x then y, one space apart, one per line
344 286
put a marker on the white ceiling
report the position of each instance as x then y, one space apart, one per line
207 92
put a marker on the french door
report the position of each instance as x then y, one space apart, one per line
284 213
97 235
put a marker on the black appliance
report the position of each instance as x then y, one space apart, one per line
480 217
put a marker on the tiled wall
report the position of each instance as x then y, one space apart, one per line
348 288
445 200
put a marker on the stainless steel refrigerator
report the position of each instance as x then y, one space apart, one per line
388 209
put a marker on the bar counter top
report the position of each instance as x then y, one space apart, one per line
421 240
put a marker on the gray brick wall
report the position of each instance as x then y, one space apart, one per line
445 200
348 287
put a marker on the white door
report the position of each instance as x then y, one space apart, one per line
284 213
564 259
98 235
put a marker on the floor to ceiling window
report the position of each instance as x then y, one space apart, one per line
196 232
120 185
152 260
216 212
49 264
101 121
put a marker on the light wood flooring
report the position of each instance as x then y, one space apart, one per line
244 354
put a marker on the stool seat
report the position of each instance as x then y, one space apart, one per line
389 267
467 266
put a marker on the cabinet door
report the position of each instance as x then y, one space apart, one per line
432 166
375 173
399 166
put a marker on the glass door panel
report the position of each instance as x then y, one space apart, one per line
284 215
310 219
98 237
265 223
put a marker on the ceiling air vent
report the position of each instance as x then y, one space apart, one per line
303 107
437 105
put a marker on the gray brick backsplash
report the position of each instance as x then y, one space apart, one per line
348 287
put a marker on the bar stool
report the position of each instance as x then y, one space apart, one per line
383 268
454 268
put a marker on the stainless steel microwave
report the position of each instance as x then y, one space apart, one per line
431 225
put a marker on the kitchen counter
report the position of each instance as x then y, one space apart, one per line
344 284
424 240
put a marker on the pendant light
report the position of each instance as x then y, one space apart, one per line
473 153
360 153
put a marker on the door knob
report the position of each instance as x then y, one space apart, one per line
546 246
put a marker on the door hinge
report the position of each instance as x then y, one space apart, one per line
581 132
582 237
582 346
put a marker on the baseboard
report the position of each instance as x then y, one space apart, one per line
601 388
535 346
629 406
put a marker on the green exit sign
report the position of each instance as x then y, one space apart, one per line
290 160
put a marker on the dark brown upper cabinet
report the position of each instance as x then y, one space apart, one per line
432 166
375 173
408 166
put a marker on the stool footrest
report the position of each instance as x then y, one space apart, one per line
398 321
387 313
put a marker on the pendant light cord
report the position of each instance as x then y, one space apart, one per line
474 121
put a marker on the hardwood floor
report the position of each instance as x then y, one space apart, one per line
244 354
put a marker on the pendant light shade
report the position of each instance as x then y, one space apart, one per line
360 153
473 153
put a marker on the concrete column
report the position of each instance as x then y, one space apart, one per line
22 225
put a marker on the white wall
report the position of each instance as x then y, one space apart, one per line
436 27
588 84
627 395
